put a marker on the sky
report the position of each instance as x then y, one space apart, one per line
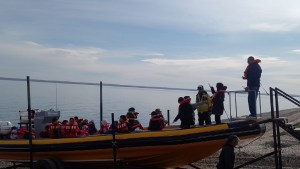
169 43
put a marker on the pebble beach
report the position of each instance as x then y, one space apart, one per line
262 145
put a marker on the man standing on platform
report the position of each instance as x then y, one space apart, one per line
252 74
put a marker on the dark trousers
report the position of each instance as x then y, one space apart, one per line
218 118
204 117
252 96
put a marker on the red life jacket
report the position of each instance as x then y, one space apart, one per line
156 123
185 101
247 68
213 99
21 132
71 130
122 127
133 124
54 130
84 131
63 130
104 129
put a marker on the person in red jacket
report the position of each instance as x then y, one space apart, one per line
72 129
185 113
157 122
54 128
122 125
63 128
218 101
133 123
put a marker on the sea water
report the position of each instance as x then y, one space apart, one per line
84 101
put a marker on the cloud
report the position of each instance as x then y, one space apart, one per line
92 63
25 58
296 51
149 41
154 54
197 16
218 62
272 59
184 62
278 27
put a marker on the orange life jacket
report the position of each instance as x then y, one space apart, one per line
54 130
213 99
63 130
71 130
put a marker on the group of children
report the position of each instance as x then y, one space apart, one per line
205 105
75 127
129 123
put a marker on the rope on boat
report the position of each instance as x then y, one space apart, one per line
240 147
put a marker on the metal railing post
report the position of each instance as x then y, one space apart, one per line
236 113
168 117
114 146
229 94
259 97
101 103
29 120
278 132
273 127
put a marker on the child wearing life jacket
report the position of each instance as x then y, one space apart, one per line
14 133
133 123
63 128
122 125
218 101
104 127
72 129
159 113
92 127
185 113
84 131
157 122
204 109
45 133
54 128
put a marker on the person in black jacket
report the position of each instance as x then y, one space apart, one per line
252 74
227 155
218 101
185 112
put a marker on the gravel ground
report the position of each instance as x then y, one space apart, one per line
261 146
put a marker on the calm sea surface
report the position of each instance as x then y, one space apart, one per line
84 101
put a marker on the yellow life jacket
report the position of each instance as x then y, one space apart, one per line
206 107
